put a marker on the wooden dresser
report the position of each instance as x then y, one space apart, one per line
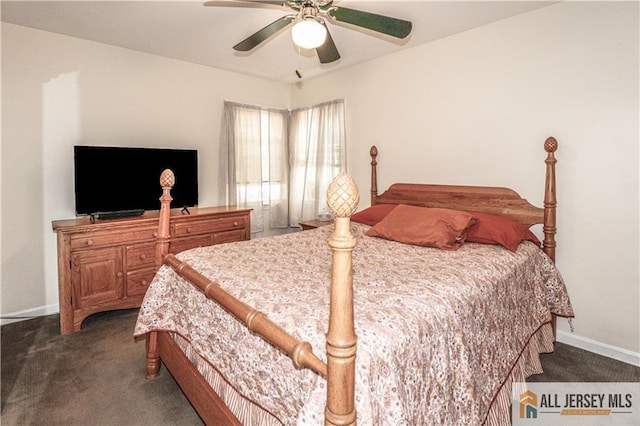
109 264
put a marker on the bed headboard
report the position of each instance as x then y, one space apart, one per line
487 199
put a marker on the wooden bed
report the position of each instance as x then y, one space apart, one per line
338 365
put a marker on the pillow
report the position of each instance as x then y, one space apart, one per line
493 229
423 226
372 215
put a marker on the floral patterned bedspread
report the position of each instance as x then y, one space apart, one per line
438 331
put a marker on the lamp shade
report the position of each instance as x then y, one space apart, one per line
308 34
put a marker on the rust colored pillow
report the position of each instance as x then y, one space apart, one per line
372 215
423 226
494 229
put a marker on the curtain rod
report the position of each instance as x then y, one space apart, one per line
245 105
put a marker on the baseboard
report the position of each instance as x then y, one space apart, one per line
29 313
599 348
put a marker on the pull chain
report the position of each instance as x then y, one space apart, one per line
299 69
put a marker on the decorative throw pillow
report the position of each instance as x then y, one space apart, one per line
423 226
494 229
372 215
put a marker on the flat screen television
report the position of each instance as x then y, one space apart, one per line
124 179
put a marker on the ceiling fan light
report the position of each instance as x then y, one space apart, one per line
308 34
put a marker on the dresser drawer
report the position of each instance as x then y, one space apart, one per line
140 256
138 281
207 226
229 236
97 239
181 244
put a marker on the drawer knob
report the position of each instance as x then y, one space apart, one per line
143 256
235 223
119 275
144 282
89 242
155 235
189 230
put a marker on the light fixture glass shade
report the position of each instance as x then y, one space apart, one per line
308 33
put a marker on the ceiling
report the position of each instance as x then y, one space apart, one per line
189 31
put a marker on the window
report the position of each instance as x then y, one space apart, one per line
318 154
254 163
280 162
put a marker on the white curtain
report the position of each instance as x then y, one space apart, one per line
254 169
317 154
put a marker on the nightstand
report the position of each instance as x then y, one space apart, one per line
313 224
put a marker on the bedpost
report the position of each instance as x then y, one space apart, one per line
550 202
374 174
153 359
343 199
167 180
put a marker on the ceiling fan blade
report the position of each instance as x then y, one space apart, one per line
247 3
394 27
257 38
328 52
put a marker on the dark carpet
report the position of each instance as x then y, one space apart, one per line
96 376
92 377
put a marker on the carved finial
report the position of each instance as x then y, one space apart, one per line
373 151
343 196
167 179
551 144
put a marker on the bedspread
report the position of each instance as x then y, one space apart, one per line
438 331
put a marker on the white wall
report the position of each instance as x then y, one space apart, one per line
59 91
475 108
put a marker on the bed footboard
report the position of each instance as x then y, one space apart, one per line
300 352
339 370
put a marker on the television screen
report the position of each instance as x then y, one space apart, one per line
112 179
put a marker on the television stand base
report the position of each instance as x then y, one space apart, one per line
116 214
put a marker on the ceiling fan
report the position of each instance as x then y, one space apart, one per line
310 30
